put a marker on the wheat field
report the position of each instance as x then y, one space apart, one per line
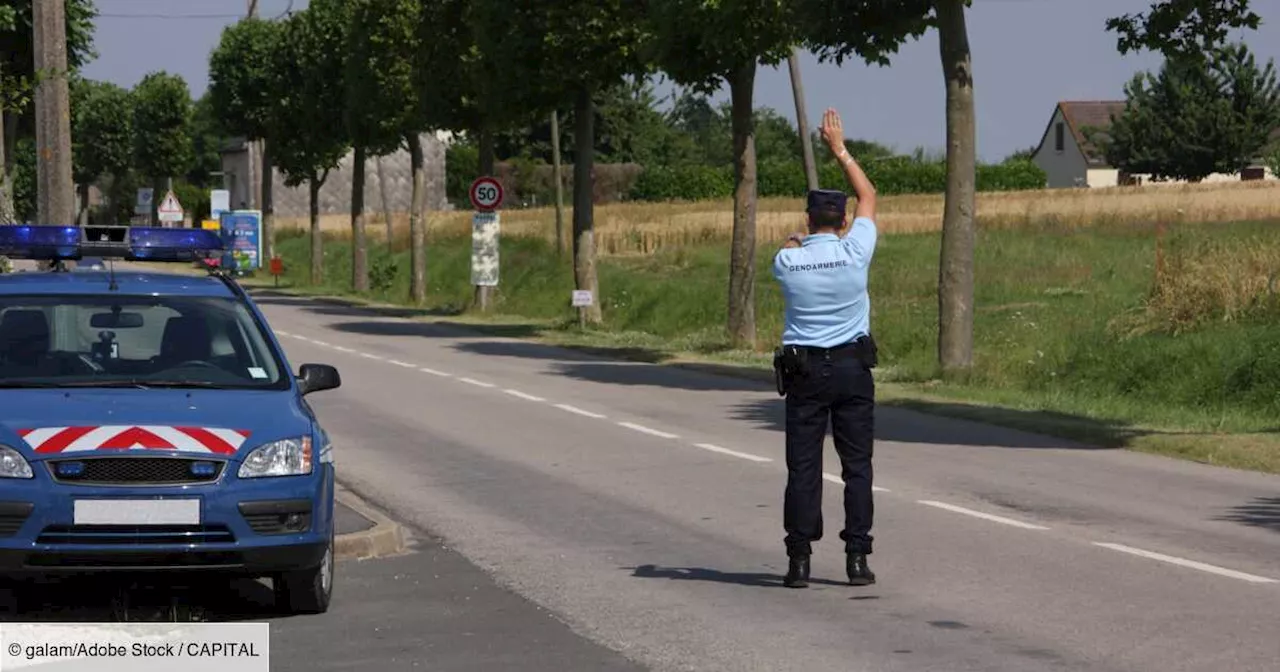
643 228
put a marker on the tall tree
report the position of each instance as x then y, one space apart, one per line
1182 28
241 95
391 55
309 129
1196 117
161 123
704 45
573 50
102 135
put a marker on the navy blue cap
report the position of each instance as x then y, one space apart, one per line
827 199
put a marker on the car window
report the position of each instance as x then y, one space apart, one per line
73 340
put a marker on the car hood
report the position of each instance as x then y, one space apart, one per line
222 423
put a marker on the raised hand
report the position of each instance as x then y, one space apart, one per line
833 131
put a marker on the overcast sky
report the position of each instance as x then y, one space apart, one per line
1027 55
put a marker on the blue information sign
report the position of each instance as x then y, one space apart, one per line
242 238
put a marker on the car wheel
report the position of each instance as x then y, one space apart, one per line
307 591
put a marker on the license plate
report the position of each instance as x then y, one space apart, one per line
137 512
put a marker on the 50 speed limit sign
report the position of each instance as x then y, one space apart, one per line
486 194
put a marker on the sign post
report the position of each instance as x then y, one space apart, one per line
142 207
486 197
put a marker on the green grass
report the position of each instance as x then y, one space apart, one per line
1051 353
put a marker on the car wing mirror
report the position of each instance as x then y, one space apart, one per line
317 378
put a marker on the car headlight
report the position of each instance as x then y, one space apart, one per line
287 457
13 464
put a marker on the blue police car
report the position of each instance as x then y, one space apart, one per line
150 421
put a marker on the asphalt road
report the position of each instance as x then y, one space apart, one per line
643 506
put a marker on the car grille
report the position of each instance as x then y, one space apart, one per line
135 534
135 470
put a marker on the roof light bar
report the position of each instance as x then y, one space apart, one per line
51 243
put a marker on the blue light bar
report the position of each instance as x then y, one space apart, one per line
158 244
40 242
51 243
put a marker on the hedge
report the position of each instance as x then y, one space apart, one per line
787 179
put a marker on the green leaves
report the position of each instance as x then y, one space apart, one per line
240 80
161 119
1182 28
871 30
700 42
101 130
306 119
381 97
1196 117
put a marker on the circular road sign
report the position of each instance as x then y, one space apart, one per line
486 194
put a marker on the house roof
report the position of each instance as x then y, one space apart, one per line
1082 114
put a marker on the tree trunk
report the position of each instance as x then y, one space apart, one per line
359 246
584 251
55 188
7 215
268 206
317 240
802 121
487 150
84 204
386 203
955 268
417 225
559 180
742 255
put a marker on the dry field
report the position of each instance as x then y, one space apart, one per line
642 228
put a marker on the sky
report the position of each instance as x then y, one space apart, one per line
1027 56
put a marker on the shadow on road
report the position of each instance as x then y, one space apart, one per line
1262 512
142 599
715 576
913 422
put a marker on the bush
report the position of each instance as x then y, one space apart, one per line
683 183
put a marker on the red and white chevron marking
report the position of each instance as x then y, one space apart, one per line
215 440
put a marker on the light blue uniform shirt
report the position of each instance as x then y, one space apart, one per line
824 284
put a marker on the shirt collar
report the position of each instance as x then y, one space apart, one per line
819 238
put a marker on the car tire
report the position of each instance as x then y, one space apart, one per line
307 591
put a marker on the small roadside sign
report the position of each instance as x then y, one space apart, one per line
143 205
486 194
170 209
582 298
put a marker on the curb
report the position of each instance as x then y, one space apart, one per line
385 538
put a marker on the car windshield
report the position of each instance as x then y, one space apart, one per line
133 341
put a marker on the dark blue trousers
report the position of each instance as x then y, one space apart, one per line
839 389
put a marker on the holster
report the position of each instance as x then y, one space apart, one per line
789 362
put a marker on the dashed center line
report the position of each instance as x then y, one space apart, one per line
984 516
339 348
1220 571
579 411
648 430
367 355
522 395
717 449
478 383
406 365
840 481
434 372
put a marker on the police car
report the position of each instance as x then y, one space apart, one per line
150 421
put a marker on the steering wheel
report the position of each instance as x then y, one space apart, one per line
195 362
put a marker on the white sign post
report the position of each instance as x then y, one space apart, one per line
486 196
143 205
170 209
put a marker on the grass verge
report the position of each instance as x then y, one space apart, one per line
1067 342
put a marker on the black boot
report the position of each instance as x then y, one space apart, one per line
797 572
859 573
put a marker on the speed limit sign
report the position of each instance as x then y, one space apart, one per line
486 194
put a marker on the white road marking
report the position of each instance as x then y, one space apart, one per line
322 344
522 395
434 372
840 481
1186 563
404 364
579 411
717 449
984 516
370 356
647 430
283 333
339 348
476 382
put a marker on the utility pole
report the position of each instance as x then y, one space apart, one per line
555 161
55 189
802 120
